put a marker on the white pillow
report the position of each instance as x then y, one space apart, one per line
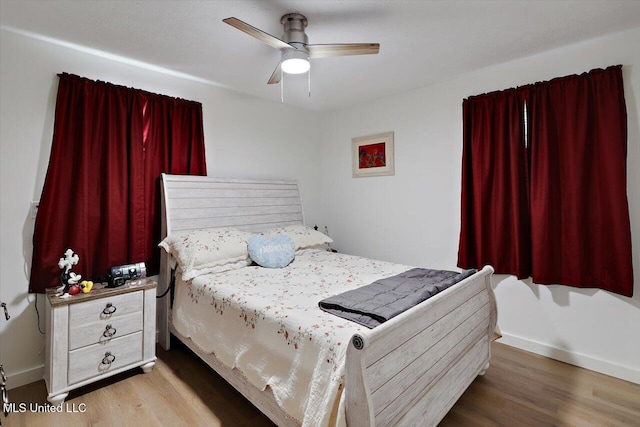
208 250
303 237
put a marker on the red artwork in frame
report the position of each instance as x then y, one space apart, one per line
373 155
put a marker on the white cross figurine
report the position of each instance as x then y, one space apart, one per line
70 259
68 278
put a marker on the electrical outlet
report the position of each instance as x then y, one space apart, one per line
34 208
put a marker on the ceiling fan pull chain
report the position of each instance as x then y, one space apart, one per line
281 86
309 82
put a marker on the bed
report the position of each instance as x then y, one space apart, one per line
409 370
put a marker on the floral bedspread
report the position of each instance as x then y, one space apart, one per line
266 323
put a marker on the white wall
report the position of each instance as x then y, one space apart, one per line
245 137
414 216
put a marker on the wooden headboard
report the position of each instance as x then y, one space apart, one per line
192 202
195 202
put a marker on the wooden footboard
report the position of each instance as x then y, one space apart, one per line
413 368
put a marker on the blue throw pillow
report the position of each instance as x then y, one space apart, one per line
272 252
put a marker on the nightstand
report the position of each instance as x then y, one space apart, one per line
98 334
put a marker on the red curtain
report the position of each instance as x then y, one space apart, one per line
174 144
495 185
556 208
581 235
101 191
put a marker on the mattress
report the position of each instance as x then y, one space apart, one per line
267 324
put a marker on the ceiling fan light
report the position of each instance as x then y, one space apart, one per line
295 62
295 66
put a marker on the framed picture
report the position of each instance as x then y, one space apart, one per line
372 155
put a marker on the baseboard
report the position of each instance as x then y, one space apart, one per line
28 376
583 361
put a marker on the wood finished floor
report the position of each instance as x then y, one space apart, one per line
520 389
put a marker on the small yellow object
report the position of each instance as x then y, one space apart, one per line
86 286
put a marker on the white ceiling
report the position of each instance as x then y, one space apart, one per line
421 42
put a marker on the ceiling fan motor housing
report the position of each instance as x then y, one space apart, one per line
294 25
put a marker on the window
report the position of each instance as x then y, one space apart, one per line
101 195
544 182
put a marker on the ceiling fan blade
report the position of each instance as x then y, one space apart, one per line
344 49
259 34
275 77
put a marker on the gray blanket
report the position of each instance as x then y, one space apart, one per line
384 299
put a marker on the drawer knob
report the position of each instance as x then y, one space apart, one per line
109 309
109 331
108 358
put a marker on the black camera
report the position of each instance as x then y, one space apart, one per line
120 274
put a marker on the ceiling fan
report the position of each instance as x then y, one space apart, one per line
294 46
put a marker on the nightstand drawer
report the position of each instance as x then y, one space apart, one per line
103 331
107 308
99 359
